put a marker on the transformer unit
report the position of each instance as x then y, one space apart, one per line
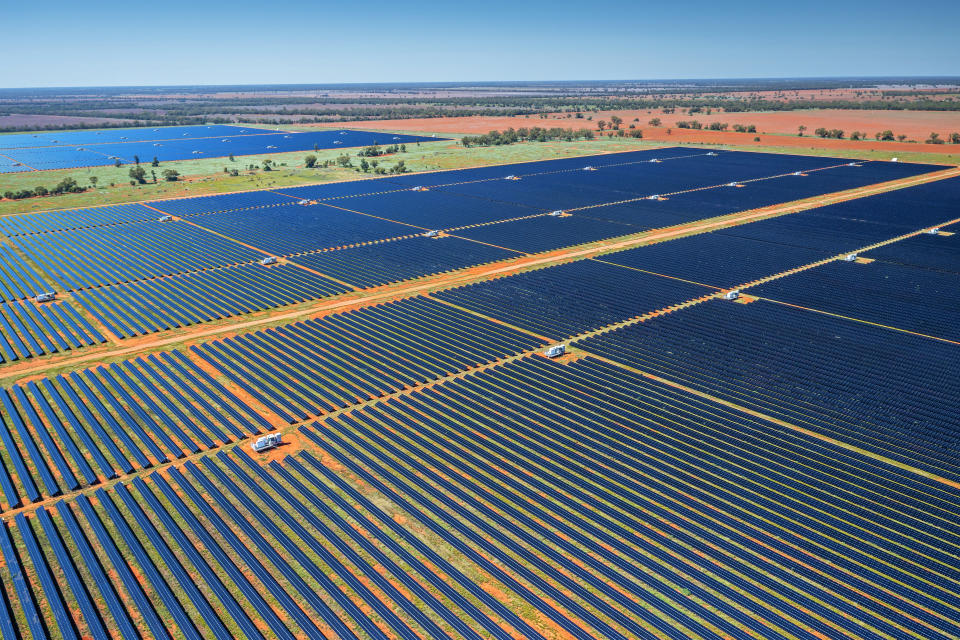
733 184
304 202
797 173
732 295
269 260
48 296
166 218
589 168
852 164
512 177
433 233
933 232
654 160
653 197
711 153
420 189
556 214
555 351
267 442
850 257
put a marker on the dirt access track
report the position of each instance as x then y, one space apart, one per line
774 128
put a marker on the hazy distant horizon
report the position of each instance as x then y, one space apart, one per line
872 80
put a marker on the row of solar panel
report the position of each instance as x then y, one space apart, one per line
79 429
160 304
18 280
100 256
705 518
28 330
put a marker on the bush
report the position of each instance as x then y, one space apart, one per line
689 124
171 175
310 161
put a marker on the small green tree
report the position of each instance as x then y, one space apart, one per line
136 159
138 174
310 161
364 165
156 161
901 137
231 158
655 122
801 129
955 138
93 181
268 164
934 139
171 175
116 162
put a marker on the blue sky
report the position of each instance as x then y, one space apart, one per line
58 43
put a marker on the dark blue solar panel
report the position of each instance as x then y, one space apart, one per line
543 233
719 260
940 252
568 299
383 262
849 380
297 228
908 298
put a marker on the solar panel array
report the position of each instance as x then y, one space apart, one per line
76 430
133 274
438 477
66 150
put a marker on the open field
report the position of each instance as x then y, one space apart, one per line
697 465
781 129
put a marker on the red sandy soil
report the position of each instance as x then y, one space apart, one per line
771 123
916 125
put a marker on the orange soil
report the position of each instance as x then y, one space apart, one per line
915 124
